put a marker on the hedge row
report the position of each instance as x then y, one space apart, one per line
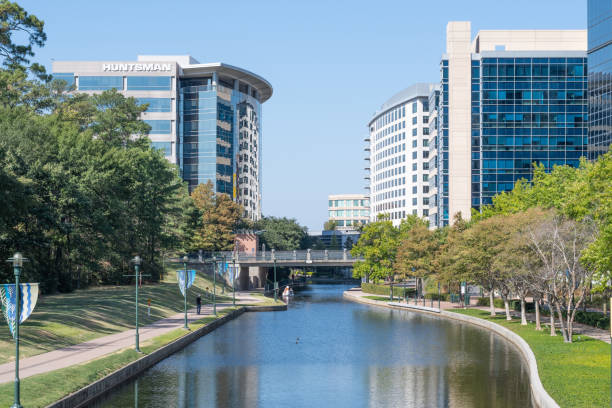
484 301
384 290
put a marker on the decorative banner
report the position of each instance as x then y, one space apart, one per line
223 268
28 298
181 279
233 273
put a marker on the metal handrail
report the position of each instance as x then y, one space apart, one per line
268 256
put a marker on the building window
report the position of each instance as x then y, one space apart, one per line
64 76
331 203
414 107
414 131
166 147
148 83
156 104
159 126
414 120
100 83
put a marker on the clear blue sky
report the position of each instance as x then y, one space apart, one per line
331 63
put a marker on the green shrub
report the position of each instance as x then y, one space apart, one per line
594 319
484 301
516 306
434 296
384 290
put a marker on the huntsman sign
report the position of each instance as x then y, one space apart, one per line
136 67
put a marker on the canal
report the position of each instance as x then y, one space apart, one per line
328 352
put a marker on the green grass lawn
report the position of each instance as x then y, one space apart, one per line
575 375
380 298
44 389
66 319
265 301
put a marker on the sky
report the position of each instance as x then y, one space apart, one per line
332 64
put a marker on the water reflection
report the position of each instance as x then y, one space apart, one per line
326 352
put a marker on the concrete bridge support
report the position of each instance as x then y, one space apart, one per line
251 277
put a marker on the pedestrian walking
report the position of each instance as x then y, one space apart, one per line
199 302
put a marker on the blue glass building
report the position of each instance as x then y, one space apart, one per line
600 76
507 100
206 118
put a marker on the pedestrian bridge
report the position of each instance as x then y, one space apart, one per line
253 270
295 258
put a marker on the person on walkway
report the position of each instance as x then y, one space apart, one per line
199 302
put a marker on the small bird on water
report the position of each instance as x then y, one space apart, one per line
297 340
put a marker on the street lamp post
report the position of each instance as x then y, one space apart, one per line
137 262
17 261
214 259
185 260
224 279
275 283
137 276
438 295
234 279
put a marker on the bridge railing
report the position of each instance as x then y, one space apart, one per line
269 256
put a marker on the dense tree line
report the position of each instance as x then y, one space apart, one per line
82 189
550 239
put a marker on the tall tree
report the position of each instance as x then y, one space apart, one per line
15 22
378 245
418 252
219 219
282 234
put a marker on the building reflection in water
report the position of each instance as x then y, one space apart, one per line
324 352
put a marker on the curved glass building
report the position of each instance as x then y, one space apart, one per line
206 118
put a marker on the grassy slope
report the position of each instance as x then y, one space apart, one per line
575 375
66 319
76 377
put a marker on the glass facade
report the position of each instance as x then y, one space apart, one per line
100 83
600 76
525 110
65 76
166 147
156 104
220 138
443 146
149 83
159 127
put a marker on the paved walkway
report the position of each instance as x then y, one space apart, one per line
579 328
93 349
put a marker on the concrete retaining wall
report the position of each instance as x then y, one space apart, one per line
539 395
87 394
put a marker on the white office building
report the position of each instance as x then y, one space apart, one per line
398 161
